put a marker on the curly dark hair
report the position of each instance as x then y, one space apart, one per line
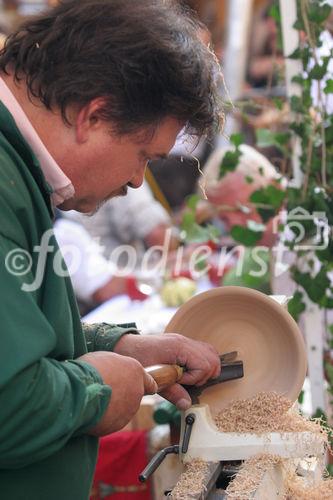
144 57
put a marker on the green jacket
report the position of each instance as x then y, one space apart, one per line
47 400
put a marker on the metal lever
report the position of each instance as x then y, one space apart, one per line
189 421
156 461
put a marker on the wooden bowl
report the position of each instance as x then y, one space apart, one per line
266 337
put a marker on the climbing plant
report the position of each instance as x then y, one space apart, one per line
309 204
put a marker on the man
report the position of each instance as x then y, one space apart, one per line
90 92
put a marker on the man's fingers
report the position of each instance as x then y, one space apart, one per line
150 385
205 370
177 395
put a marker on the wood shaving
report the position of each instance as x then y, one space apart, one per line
298 488
266 412
250 475
191 481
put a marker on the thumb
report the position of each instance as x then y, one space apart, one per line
150 386
177 395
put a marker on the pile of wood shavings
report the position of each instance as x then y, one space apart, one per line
191 481
297 488
266 412
250 475
252 471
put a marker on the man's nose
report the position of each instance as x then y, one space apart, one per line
137 179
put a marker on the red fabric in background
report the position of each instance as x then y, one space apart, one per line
121 458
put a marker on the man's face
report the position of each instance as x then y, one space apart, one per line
102 165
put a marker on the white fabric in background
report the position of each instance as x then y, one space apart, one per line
88 269
123 220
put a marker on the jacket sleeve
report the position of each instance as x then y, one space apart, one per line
43 402
104 336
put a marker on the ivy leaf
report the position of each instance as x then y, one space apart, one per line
278 102
296 54
296 305
229 162
269 195
266 138
195 233
237 139
329 373
319 13
326 255
298 79
192 232
299 25
213 233
330 329
192 201
274 12
296 104
187 220
315 286
246 236
301 397
249 179
272 197
318 71
329 87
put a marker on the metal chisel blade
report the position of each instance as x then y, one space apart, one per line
228 356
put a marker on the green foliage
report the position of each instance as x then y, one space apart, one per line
330 330
319 70
252 270
231 158
329 87
329 374
190 230
301 397
313 126
246 236
319 13
237 139
314 285
266 138
270 196
229 162
192 201
329 469
296 305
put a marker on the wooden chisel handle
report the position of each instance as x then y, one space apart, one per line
165 375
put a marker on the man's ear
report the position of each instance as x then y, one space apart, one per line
88 119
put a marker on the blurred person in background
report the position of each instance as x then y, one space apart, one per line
94 278
138 220
228 203
266 60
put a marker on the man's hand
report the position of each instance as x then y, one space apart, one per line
129 383
200 359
